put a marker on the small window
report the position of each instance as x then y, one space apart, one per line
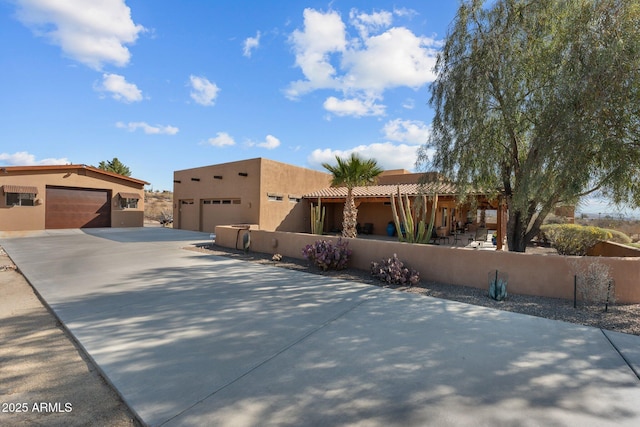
20 199
126 203
226 202
216 202
206 202
275 197
236 201
294 199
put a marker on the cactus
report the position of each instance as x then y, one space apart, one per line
497 287
411 224
317 218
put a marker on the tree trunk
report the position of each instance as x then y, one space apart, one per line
516 231
349 217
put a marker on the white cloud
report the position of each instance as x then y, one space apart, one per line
222 139
203 91
120 89
269 143
23 158
323 34
409 131
251 44
409 104
93 33
387 154
394 58
366 23
353 107
363 65
148 129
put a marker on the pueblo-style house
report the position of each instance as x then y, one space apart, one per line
271 195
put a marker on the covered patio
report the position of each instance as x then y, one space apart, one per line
456 223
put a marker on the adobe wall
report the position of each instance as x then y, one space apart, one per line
227 181
289 183
543 275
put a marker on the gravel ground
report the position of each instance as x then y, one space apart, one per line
620 318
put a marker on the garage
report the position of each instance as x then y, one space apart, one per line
77 208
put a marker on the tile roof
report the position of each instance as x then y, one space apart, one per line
441 188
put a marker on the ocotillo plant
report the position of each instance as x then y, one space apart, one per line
412 223
317 218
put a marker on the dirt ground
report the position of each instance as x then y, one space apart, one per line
45 380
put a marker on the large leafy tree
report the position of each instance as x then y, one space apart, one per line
539 100
352 172
115 166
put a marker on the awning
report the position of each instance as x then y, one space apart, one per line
129 196
7 188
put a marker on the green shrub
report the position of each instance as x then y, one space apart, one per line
573 239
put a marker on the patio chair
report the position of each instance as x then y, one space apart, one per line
368 228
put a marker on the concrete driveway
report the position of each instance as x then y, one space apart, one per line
193 339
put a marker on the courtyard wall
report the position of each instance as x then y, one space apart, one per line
529 274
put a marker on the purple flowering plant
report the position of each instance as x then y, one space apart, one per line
393 271
326 255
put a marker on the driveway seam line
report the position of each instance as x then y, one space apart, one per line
629 364
270 358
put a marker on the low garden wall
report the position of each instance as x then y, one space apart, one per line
543 275
613 249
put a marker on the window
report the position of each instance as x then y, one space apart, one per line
294 199
20 199
275 197
126 203
221 202
129 200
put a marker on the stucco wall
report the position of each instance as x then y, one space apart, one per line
17 218
545 275
290 182
217 182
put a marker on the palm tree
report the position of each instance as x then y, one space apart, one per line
352 172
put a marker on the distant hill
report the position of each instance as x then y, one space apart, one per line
157 205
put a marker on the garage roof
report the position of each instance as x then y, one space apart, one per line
74 168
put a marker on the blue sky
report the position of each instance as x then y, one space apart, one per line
166 86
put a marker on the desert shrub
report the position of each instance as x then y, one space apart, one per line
594 282
618 236
573 239
325 255
393 271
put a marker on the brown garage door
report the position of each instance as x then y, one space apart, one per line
77 208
